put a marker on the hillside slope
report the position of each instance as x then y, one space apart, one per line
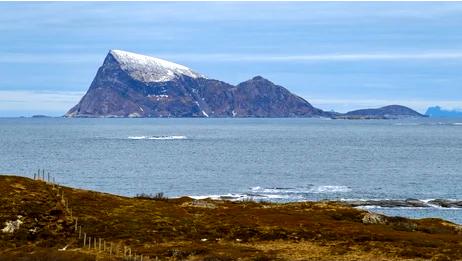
187 229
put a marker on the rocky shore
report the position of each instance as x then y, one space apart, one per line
411 203
44 221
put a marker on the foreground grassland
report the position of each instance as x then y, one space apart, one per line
187 229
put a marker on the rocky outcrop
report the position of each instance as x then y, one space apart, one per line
409 203
133 85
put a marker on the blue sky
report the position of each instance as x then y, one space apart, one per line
337 55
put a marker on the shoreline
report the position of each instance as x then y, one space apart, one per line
49 217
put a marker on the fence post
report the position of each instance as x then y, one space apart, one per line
99 244
34 175
84 237
89 242
110 249
80 232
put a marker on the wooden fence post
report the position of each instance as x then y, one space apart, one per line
80 232
84 237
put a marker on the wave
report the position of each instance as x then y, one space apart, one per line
429 124
282 195
303 190
157 137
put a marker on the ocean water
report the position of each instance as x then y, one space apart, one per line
264 159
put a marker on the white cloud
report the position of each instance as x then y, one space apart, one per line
63 58
327 57
57 102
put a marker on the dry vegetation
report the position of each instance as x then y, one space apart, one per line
187 229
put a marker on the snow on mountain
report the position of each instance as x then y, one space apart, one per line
150 69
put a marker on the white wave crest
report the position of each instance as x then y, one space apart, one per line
157 137
331 189
306 190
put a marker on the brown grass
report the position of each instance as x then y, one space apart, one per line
176 229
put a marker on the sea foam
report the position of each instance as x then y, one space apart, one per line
157 137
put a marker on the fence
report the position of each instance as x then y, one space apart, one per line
85 241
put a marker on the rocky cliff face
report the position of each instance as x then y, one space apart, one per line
133 85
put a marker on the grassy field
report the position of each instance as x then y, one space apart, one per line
156 228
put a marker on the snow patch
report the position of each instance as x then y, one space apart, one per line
150 69
158 97
205 114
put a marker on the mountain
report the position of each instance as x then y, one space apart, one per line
438 112
134 85
387 112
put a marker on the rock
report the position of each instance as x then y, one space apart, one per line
12 226
373 218
199 204
445 203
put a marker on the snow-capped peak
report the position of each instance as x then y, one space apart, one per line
150 69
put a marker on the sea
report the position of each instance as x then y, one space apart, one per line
278 160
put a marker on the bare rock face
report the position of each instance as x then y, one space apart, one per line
133 85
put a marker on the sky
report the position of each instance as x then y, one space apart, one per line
338 55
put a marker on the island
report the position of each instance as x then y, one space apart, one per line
134 85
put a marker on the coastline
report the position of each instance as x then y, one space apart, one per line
49 217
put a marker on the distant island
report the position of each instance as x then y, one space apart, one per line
438 112
387 112
41 116
134 85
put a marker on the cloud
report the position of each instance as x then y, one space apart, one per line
79 58
38 101
49 58
326 57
